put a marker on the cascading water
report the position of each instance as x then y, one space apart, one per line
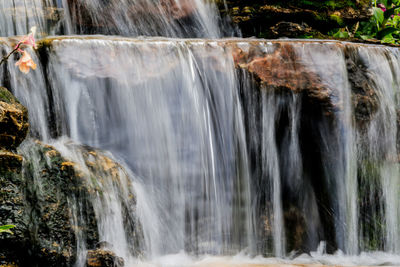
220 161
172 18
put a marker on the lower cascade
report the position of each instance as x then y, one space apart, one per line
201 152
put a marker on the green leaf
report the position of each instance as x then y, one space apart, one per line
385 32
366 37
341 34
387 3
378 15
6 228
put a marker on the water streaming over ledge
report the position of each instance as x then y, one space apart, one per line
172 18
220 165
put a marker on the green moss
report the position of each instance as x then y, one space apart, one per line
6 96
337 19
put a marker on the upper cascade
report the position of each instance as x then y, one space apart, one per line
169 18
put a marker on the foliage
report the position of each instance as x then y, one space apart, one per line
383 25
6 228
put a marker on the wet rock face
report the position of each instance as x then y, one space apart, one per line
13 121
49 198
295 229
364 97
38 206
281 70
50 202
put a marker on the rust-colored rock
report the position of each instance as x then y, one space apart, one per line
283 70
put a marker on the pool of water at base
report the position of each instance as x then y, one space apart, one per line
314 259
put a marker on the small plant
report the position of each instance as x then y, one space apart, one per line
6 228
25 63
383 25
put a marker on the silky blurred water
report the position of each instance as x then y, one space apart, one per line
172 18
172 111
215 161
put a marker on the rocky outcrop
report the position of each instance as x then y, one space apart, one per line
263 18
13 121
51 204
13 130
281 69
50 198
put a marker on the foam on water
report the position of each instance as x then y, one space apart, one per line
316 258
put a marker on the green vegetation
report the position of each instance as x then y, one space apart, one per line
384 24
6 96
6 228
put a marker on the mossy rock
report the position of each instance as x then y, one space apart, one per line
44 198
7 96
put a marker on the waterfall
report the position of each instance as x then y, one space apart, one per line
177 123
172 18
379 140
229 145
